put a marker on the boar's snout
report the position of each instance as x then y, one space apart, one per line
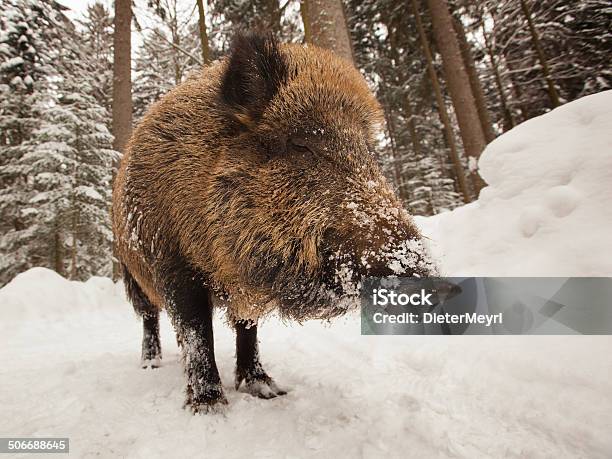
374 244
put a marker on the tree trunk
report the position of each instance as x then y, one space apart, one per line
173 24
327 26
525 110
203 34
508 119
397 163
414 134
407 106
122 80
444 118
274 14
397 166
304 13
552 90
459 88
122 83
73 249
470 67
74 216
57 253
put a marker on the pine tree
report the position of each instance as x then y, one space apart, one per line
29 43
413 154
72 162
279 17
154 73
458 84
89 144
327 25
588 24
97 34
572 38
553 94
122 74
168 55
56 151
204 44
474 79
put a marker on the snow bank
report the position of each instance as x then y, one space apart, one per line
40 293
548 208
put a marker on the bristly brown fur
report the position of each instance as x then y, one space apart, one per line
256 173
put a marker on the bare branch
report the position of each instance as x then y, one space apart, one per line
177 47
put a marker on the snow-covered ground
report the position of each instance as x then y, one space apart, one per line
70 354
69 351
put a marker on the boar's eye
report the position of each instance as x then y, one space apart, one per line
298 145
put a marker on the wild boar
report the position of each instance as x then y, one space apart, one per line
256 182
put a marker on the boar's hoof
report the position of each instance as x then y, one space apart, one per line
213 402
151 351
209 407
261 386
151 362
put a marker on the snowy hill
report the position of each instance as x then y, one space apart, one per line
546 211
70 350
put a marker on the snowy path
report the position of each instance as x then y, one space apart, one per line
69 354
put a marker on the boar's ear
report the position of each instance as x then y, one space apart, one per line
255 72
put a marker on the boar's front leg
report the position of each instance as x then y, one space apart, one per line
248 367
191 309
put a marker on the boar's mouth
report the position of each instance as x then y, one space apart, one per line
313 295
335 288
315 300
